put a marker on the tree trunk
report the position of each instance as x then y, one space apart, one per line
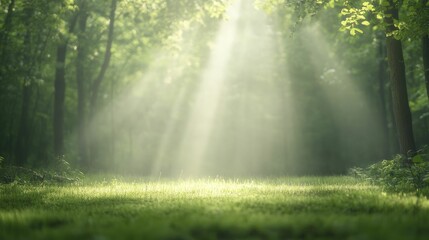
60 90
8 111
382 70
107 55
398 86
425 53
80 79
23 141
4 33
425 49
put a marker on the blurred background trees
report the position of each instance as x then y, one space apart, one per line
110 85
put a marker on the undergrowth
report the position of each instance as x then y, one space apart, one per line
400 174
62 172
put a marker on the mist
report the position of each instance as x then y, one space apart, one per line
253 100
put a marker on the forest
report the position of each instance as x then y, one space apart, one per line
214 119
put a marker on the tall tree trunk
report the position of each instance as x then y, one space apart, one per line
23 141
80 79
382 70
398 86
425 53
60 90
107 56
425 49
8 111
4 33
4 74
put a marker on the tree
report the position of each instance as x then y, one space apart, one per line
425 52
387 18
382 76
6 73
107 56
398 83
59 89
23 137
80 80
4 32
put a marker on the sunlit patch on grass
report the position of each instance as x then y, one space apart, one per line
333 207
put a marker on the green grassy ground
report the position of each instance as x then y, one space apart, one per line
290 208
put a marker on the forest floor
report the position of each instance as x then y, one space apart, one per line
287 208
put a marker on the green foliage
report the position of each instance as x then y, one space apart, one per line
62 173
65 170
296 10
399 174
28 48
413 22
301 7
356 17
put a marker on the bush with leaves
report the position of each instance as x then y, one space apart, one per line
400 174
61 173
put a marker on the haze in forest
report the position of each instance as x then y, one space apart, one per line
199 88
252 108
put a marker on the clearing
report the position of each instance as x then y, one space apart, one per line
284 208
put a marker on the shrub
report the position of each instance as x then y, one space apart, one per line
400 174
62 173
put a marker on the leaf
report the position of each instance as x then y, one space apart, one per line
385 3
417 159
353 31
365 23
344 11
426 178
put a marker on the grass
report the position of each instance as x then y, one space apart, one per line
289 208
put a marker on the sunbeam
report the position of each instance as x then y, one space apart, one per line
203 113
237 96
236 109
